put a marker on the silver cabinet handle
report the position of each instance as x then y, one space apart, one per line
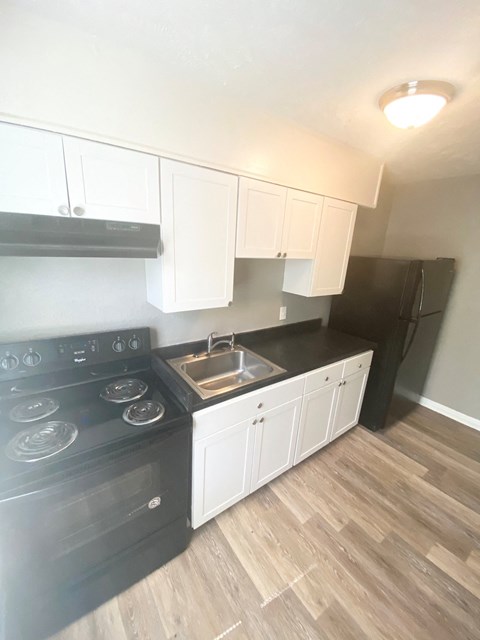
360 366
64 210
78 211
279 255
327 378
259 405
255 421
344 382
339 384
284 255
261 419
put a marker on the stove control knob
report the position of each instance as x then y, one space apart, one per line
135 343
119 345
8 362
32 358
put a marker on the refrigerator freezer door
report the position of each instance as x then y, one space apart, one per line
377 292
438 276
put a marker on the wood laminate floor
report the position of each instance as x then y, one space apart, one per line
375 536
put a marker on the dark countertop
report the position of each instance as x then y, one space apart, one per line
297 348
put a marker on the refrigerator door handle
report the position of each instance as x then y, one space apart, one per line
416 321
422 294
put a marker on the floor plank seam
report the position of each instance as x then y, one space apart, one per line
288 586
227 631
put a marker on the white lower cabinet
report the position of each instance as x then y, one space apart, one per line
332 403
349 403
241 444
222 467
318 412
275 437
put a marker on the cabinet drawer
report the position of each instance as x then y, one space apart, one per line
213 419
277 394
357 363
323 377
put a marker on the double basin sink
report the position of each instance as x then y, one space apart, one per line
211 374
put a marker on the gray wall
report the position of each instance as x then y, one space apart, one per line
42 297
371 224
442 218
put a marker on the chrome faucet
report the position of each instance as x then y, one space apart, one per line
211 345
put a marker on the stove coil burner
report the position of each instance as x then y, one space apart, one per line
124 390
41 441
143 413
34 409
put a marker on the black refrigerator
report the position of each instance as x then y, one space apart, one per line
399 304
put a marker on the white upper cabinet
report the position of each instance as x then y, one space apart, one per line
276 222
195 268
48 174
261 211
302 221
325 274
333 249
32 172
110 183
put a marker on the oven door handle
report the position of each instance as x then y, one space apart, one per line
46 492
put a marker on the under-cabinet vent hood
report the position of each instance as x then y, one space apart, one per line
34 235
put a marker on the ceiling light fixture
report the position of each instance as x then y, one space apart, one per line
415 103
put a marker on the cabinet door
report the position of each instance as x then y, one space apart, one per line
261 211
349 403
302 220
275 437
110 183
316 421
195 270
222 466
32 172
333 249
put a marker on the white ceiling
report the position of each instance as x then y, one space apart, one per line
320 63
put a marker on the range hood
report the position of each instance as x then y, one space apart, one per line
34 235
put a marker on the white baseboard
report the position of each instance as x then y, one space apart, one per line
474 423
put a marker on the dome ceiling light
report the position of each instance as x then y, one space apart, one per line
415 103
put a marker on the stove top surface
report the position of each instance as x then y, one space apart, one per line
94 413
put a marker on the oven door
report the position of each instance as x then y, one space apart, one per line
58 532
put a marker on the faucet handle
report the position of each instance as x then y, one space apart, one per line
232 341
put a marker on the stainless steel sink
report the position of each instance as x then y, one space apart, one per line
221 371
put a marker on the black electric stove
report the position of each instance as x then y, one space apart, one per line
95 466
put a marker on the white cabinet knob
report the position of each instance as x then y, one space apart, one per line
63 210
78 211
